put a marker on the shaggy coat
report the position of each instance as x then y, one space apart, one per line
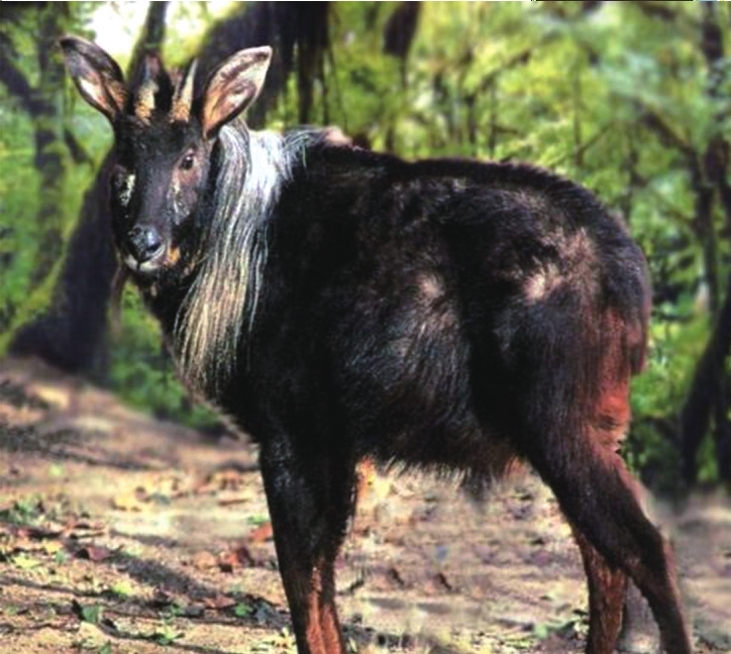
342 304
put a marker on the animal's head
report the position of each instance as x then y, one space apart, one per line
164 137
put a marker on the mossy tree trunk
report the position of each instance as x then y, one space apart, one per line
72 332
50 149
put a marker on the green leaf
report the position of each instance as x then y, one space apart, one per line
91 613
122 589
242 610
167 636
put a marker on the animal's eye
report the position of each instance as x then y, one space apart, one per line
188 161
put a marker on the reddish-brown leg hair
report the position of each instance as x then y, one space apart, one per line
607 588
309 508
576 453
323 625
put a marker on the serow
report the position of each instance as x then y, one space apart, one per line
338 304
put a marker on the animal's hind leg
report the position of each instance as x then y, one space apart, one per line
595 491
309 503
569 369
607 588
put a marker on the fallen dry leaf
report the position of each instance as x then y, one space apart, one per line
161 598
219 602
235 558
95 553
128 502
75 528
440 582
395 576
262 533
220 480
22 544
204 561
41 533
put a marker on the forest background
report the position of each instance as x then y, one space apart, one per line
632 100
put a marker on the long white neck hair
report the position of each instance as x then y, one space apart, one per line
221 303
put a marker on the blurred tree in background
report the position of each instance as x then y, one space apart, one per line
632 100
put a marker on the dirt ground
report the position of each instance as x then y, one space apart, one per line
123 534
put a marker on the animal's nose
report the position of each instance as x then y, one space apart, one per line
144 242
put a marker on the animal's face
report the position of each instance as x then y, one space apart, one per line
157 187
164 138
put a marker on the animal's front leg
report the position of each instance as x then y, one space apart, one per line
310 498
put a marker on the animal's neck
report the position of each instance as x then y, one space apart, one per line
220 305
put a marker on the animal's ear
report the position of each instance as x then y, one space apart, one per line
96 75
233 86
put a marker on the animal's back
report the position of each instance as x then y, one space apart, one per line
523 231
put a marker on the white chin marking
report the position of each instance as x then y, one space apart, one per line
136 266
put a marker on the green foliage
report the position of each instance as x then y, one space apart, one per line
18 206
24 511
122 590
21 188
243 610
91 613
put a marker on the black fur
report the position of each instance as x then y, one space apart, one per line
452 315
394 324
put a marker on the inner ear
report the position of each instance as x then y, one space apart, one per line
97 76
233 86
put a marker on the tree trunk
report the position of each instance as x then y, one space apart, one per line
716 162
707 402
71 334
695 418
399 32
50 147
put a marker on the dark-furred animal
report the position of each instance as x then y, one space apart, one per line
341 304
